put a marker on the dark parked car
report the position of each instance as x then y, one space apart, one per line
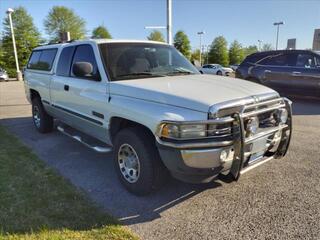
289 71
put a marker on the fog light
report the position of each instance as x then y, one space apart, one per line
283 115
223 155
252 125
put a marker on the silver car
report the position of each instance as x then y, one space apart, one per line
3 75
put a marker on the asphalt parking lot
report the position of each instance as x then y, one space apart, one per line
277 200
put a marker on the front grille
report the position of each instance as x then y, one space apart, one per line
268 119
266 110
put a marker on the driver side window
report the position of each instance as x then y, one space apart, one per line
84 53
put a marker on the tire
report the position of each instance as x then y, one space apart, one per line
201 72
41 119
151 172
219 73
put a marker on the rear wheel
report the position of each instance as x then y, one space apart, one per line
137 161
41 119
219 73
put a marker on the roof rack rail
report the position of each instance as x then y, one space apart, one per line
59 42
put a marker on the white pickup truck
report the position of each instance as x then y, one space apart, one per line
149 105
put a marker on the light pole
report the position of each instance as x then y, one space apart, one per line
169 23
207 53
278 25
200 35
260 41
19 76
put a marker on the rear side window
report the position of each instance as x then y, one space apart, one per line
34 59
64 64
84 53
281 59
42 59
253 58
305 60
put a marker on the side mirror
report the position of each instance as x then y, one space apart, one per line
82 69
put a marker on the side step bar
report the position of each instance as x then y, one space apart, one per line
255 164
89 142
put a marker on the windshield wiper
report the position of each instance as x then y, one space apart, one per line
179 72
140 74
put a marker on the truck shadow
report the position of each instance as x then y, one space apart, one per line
93 172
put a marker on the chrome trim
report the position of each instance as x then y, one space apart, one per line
210 121
264 110
99 149
277 100
214 109
265 133
255 164
194 144
204 158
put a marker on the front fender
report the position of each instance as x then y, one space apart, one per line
149 113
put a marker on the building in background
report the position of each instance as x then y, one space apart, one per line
291 44
316 40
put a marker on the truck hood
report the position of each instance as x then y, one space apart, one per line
197 92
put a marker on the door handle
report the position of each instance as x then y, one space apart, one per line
66 87
267 71
296 73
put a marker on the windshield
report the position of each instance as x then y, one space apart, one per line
143 60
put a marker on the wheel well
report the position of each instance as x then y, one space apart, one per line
34 94
118 123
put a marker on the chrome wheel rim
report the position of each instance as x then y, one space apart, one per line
129 163
36 116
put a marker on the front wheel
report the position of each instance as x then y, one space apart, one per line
137 161
41 119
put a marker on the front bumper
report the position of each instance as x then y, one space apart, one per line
203 161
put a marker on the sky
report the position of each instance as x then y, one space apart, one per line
244 20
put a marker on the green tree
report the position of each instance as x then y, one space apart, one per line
219 51
236 53
26 35
195 56
156 36
267 47
1 55
61 19
250 49
182 43
101 32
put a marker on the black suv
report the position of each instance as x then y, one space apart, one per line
289 71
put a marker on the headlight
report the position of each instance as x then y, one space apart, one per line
252 125
171 130
283 115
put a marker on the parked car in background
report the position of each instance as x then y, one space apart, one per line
234 67
289 71
3 75
215 69
145 102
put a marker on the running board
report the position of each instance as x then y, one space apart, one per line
89 142
255 164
